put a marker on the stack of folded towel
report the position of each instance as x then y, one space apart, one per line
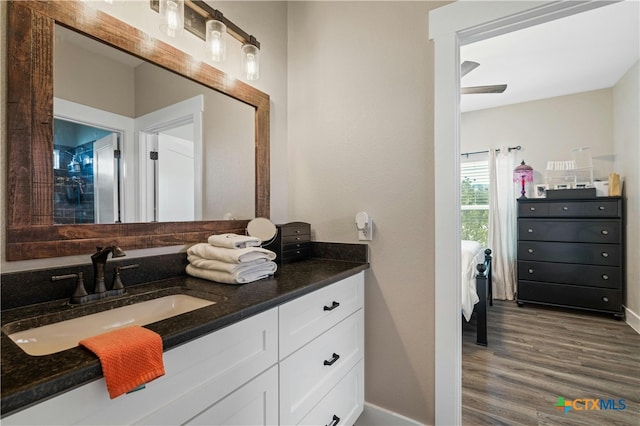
230 259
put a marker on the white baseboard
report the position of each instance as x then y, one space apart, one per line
632 319
378 416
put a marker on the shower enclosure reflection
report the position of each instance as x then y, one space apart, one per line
86 174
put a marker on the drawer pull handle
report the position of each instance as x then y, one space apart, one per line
533 209
530 271
530 250
605 277
333 359
605 254
332 307
530 231
334 421
565 208
297 231
601 208
605 299
297 238
604 232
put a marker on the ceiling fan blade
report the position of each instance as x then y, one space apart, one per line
496 88
467 67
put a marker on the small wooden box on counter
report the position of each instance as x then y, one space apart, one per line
292 242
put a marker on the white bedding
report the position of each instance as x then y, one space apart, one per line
472 254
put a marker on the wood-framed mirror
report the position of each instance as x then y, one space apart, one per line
30 230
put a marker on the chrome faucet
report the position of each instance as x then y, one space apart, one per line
99 259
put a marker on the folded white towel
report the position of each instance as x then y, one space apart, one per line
241 276
207 251
234 241
217 265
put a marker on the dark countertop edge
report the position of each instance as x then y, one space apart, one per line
87 368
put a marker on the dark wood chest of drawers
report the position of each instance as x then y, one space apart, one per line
571 253
292 242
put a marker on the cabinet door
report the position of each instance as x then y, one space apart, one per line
255 403
303 319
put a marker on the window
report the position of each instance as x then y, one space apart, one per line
474 192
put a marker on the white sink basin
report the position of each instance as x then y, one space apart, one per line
64 335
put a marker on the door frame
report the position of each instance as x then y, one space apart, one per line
450 27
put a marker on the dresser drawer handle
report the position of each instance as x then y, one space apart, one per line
530 271
533 209
605 277
565 208
297 231
605 254
334 421
332 307
601 207
530 231
530 250
605 299
297 238
604 232
333 359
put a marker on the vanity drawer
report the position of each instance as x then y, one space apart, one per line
592 254
307 317
595 208
571 273
308 374
343 405
599 299
588 231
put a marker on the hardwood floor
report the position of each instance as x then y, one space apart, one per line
538 354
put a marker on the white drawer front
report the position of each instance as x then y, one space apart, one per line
344 403
255 403
303 319
197 374
305 377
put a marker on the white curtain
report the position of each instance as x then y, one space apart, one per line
502 222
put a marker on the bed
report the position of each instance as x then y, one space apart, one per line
476 285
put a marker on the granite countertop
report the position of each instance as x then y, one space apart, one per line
27 380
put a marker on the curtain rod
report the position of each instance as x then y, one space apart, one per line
511 148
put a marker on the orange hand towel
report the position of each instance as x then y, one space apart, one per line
130 357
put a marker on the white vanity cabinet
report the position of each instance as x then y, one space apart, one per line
216 379
299 363
322 355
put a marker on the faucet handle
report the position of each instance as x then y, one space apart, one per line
80 291
117 282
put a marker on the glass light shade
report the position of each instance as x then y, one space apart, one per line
171 17
216 40
251 61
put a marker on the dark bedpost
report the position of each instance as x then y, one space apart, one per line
481 311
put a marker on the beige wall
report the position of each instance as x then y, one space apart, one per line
547 130
627 142
361 138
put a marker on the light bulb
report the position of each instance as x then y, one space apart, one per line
251 61
216 40
172 16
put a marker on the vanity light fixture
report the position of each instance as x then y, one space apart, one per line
212 26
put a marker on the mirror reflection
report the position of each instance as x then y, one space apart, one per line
136 143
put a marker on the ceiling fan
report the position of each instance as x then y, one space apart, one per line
466 68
